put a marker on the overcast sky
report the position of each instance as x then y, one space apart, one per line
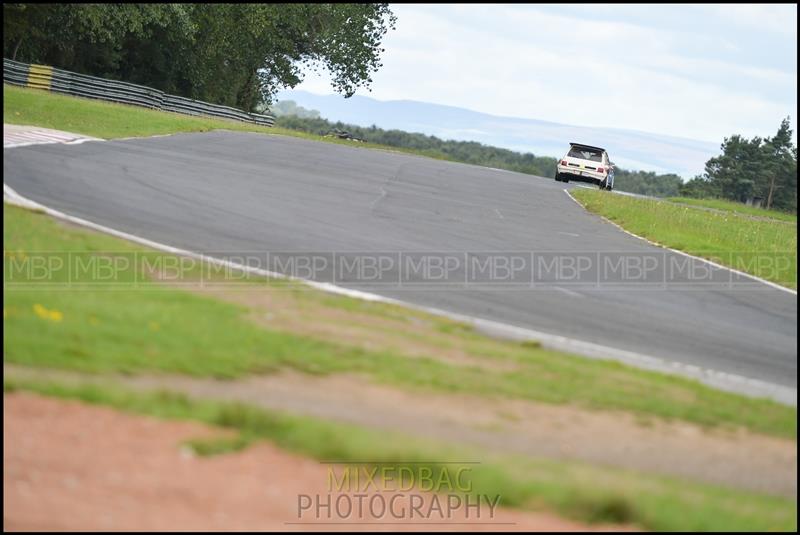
696 71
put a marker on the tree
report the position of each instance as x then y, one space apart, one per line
21 21
698 187
780 165
765 168
233 54
290 107
736 172
474 153
82 37
647 183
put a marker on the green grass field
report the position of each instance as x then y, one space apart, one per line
736 207
577 490
109 120
767 249
151 327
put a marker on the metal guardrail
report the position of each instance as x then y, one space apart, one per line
82 85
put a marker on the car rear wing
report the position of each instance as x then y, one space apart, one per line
587 147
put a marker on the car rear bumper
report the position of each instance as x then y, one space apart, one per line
582 174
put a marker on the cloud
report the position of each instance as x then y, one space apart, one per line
761 17
577 67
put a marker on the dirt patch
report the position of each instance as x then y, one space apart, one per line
70 466
733 458
410 335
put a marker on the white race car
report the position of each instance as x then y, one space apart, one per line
586 164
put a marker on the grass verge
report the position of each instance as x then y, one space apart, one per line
147 326
139 325
576 490
736 207
764 248
110 120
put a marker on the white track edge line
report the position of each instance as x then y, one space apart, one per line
716 379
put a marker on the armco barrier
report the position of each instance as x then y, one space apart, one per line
82 85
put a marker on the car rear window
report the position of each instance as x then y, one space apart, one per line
586 154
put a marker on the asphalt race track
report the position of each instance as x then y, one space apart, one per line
230 193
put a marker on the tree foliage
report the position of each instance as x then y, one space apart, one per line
233 54
461 151
290 107
750 168
746 168
471 152
647 183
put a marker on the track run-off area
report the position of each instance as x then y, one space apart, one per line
511 249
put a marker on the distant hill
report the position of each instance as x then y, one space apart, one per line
628 148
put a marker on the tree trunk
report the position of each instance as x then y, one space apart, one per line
244 99
771 191
16 49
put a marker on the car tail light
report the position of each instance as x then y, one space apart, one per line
601 170
563 162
